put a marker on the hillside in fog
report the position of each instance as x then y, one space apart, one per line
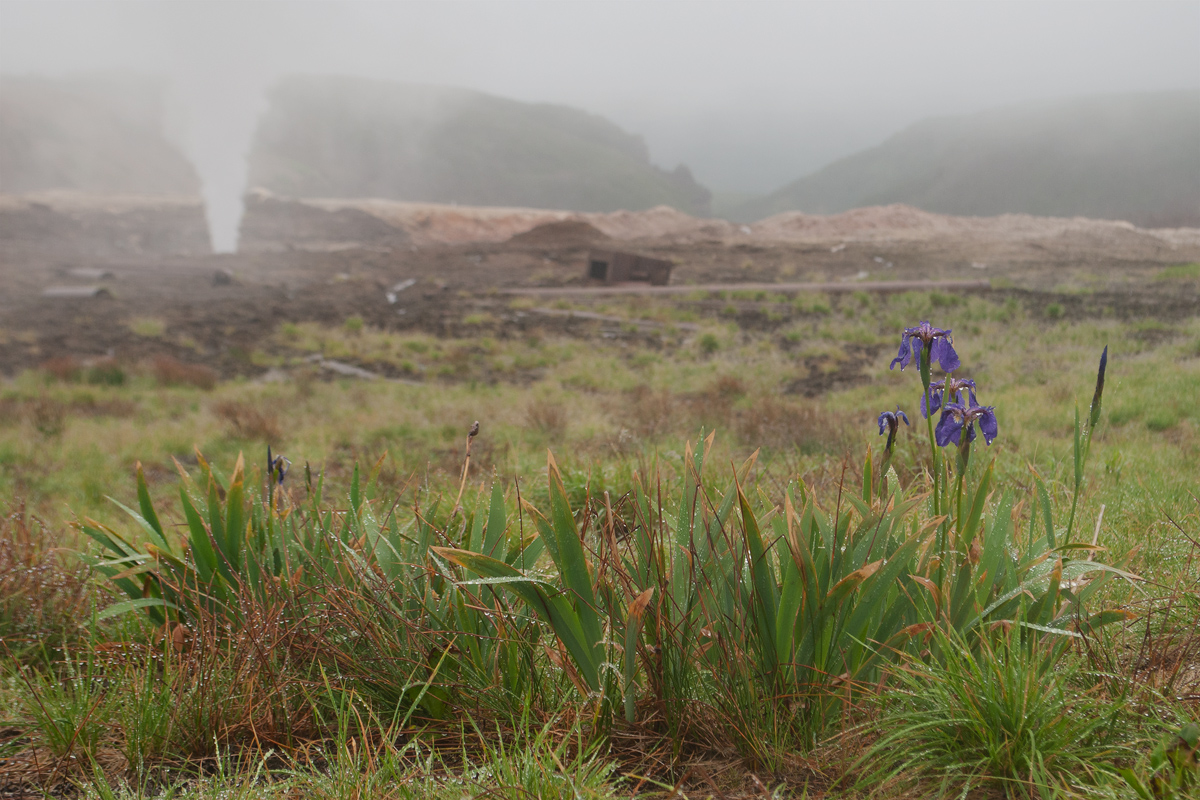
351 137
101 136
1132 157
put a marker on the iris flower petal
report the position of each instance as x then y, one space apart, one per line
935 400
943 353
988 424
947 429
905 355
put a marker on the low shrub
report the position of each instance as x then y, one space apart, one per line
548 417
248 421
44 597
68 369
105 372
170 371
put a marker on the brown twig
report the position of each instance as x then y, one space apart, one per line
462 484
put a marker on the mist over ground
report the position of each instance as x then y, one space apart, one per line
750 96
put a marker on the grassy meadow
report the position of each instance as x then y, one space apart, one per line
722 582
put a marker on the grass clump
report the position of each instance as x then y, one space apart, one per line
148 327
993 712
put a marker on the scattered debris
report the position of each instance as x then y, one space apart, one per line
91 274
75 292
342 368
351 371
978 265
874 286
646 323
274 375
398 288
838 248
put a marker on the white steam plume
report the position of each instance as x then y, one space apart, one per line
223 63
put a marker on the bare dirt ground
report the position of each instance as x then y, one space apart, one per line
326 261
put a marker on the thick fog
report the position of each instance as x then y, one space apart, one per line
749 95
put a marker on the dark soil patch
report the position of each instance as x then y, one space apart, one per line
565 235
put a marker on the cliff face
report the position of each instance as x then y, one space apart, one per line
349 137
99 136
1127 157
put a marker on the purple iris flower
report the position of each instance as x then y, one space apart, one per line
956 416
936 340
949 386
890 421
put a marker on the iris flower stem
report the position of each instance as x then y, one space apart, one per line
924 363
1087 448
884 463
964 458
1092 419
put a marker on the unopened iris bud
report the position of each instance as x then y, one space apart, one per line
889 421
277 467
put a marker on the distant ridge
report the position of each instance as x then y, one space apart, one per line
332 137
1133 157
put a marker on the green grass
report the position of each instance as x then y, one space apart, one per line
149 327
995 715
358 674
1185 272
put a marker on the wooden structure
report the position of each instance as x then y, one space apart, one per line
610 266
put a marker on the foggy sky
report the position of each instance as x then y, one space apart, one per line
750 95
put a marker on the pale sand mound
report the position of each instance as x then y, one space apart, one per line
660 222
435 223
904 223
429 223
